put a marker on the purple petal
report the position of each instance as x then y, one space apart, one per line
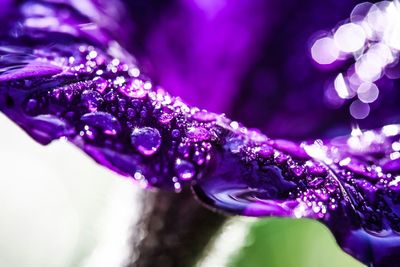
93 95
350 184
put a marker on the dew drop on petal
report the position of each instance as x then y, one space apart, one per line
234 144
198 133
265 151
134 88
100 84
146 140
184 169
175 133
31 105
165 118
91 100
102 120
49 127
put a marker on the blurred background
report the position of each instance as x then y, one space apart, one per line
60 209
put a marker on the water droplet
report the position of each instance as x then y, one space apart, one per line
102 120
317 181
91 100
198 134
265 151
281 158
46 128
165 118
297 170
204 116
100 84
234 144
199 157
121 105
175 133
314 168
184 169
146 140
110 96
184 149
31 106
166 115
134 88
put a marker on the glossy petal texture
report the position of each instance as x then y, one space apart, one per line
79 84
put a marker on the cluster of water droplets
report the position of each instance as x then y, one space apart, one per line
96 100
115 114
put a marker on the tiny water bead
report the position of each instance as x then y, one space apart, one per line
184 169
146 140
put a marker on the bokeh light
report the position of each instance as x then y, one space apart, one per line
359 110
324 51
371 37
350 37
368 92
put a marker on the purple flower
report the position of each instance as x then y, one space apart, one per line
64 73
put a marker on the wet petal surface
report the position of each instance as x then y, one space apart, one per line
95 97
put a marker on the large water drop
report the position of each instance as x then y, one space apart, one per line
184 169
103 120
91 100
146 140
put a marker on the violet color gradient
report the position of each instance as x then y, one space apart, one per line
67 71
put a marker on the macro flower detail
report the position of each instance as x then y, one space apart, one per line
96 97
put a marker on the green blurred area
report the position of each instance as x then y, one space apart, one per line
291 243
